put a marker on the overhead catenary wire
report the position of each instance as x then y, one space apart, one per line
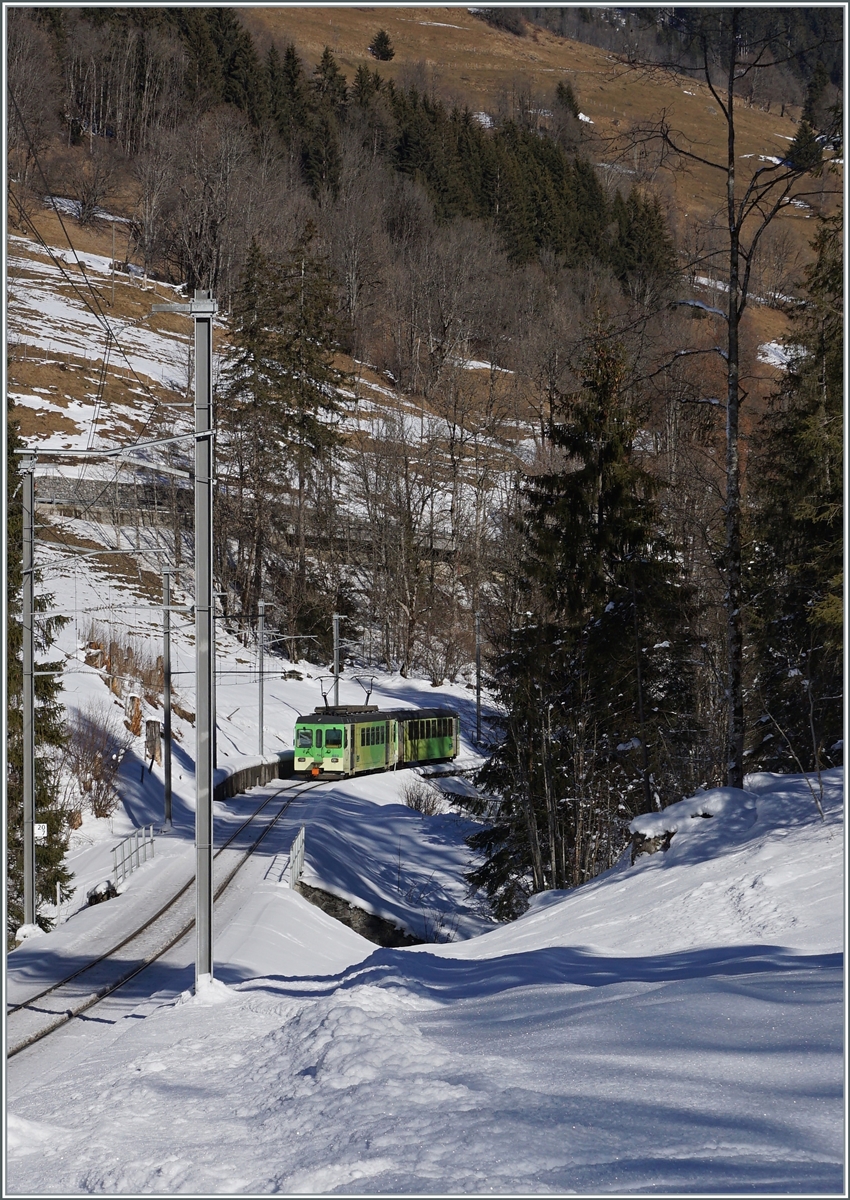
97 313
110 338
96 308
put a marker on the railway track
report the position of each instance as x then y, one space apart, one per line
30 1020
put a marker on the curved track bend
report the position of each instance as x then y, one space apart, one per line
49 1009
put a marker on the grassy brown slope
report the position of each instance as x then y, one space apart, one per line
471 63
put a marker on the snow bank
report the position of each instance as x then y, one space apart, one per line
672 1027
736 808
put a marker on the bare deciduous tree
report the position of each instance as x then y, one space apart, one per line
750 198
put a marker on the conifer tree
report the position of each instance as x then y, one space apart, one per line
204 81
253 426
278 403
288 94
328 83
243 81
49 726
594 681
795 578
643 256
381 47
566 97
805 153
815 89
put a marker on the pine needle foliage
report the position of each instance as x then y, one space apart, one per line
50 733
279 402
796 582
595 680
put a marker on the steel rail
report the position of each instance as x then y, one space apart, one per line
11 1008
298 789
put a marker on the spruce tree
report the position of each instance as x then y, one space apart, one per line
805 152
381 47
288 94
566 98
815 89
328 83
280 397
796 573
49 725
243 81
643 256
594 680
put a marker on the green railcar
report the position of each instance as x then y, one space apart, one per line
350 740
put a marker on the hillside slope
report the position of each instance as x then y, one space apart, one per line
449 50
674 1026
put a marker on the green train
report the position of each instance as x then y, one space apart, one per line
351 739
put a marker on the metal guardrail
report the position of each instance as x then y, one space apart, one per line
132 852
296 858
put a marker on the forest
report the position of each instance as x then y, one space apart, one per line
577 442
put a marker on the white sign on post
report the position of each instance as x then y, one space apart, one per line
40 832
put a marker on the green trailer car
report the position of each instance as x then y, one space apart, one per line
349 740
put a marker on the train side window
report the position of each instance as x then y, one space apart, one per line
318 739
362 737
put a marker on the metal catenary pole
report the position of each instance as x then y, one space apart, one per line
202 309
166 688
478 679
336 660
261 637
27 605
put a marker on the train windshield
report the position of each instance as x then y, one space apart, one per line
333 737
303 739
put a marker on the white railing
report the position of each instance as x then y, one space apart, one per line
132 852
296 858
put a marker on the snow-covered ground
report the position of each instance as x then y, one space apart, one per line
675 1026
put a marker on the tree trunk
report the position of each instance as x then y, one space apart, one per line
732 554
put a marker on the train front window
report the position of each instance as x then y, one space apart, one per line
303 739
318 739
333 738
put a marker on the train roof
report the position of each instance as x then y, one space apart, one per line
369 712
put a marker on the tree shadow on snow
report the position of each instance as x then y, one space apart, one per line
448 979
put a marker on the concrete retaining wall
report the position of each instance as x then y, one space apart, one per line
233 781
